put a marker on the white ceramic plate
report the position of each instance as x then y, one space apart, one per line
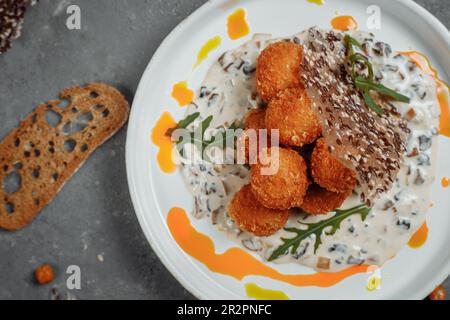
404 25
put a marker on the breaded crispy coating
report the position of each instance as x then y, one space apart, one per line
321 201
291 113
286 186
278 68
253 217
328 172
254 121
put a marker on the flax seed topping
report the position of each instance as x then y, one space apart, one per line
12 13
365 142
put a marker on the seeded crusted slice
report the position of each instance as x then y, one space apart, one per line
50 144
12 13
370 145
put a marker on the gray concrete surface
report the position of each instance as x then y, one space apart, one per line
91 223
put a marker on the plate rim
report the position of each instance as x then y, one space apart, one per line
434 23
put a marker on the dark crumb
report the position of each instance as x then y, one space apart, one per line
44 274
12 13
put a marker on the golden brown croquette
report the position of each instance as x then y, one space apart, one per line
278 68
321 201
256 119
253 217
328 172
285 187
291 113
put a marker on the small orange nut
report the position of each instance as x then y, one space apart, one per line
438 293
44 274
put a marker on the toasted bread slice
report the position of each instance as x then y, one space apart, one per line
50 144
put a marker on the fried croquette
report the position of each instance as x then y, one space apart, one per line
328 172
278 68
254 120
291 113
285 185
321 201
253 217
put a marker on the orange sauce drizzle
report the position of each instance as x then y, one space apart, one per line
237 24
237 263
182 94
420 237
344 23
318 2
443 91
207 48
445 182
164 142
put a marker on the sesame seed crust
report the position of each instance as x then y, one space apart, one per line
369 144
12 13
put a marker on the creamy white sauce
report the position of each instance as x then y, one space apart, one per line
228 93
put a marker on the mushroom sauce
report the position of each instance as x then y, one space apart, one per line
229 92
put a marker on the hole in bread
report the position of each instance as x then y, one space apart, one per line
74 110
37 152
52 117
9 207
98 106
12 182
55 177
93 94
5 168
84 147
63 103
34 118
69 145
105 113
85 117
79 124
51 149
18 166
67 128
27 154
36 173
17 142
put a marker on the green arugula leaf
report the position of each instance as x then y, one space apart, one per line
371 103
199 131
317 229
350 40
197 137
184 123
366 85
360 57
